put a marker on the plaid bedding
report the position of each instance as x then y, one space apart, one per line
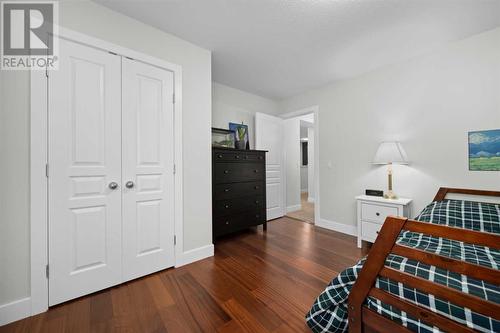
329 311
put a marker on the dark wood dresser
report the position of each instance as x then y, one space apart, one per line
238 190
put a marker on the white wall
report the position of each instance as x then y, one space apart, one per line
310 161
100 22
291 128
303 176
233 105
428 103
14 180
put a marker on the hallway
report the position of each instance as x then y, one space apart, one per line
306 214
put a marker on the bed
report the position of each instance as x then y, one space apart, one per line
436 273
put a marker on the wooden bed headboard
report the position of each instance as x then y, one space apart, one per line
443 191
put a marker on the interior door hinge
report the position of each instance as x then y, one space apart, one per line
47 271
47 170
173 98
46 72
175 169
175 240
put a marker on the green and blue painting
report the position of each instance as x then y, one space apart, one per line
484 150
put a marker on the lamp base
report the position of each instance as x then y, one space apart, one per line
390 195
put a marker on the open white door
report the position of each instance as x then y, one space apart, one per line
269 136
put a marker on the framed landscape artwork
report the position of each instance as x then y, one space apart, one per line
484 150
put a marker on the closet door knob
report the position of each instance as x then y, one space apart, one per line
226 171
129 184
113 185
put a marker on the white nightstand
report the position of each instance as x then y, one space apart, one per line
372 212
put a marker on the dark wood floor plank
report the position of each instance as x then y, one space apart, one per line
256 282
232 327
224 288
243 317
307 266
207 313
125 317
80 314
149 318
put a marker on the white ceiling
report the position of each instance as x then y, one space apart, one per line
279 48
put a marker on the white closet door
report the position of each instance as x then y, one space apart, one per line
269 136
84 161
148 179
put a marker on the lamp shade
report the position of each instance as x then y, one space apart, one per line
390 152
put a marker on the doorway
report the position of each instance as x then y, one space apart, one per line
300 171
280 137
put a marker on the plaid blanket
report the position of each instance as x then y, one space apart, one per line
329 311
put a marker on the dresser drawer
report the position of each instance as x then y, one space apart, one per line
238 172
369 231
376 213
235 190
227 224
237 205
237 156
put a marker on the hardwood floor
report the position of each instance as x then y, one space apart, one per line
256 282
306 214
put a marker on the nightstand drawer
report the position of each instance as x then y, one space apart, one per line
369 231
376 213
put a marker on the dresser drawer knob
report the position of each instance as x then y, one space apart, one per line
226 172
219 156
246 157
257 216
256 171
378 214
260 157
256 201
256 187
227 222
227 190
237 157
227 206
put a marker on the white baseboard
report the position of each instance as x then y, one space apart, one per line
340 227
195 255
293 208
14 311
310 199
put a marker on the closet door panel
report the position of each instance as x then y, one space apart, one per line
148 219
84 141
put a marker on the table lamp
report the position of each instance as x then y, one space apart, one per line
389 153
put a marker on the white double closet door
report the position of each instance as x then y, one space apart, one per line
111 185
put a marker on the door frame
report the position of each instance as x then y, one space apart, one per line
314 110
39 159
